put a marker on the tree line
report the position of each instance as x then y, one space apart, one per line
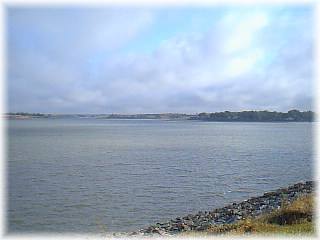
257 116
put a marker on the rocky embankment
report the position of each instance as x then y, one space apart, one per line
232 213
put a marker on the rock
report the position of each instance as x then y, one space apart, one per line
219 222
202 227
231 219
174 229
269 194
133 234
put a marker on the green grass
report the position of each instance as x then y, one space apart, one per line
291 219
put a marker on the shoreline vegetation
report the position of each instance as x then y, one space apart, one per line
283 211
226 116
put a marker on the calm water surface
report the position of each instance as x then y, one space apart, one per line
89 175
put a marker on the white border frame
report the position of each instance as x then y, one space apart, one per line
93 3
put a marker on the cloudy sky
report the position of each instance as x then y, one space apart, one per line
164 59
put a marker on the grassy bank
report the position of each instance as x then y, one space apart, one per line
295 218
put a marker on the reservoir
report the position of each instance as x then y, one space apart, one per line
98 175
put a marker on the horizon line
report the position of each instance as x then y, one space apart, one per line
150 113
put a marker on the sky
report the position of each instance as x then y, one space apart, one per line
159 59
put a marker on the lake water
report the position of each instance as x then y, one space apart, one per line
90 175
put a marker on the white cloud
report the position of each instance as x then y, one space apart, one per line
243 64
215 70
244 28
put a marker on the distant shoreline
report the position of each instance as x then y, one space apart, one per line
226 116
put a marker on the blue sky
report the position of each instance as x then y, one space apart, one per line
169 59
